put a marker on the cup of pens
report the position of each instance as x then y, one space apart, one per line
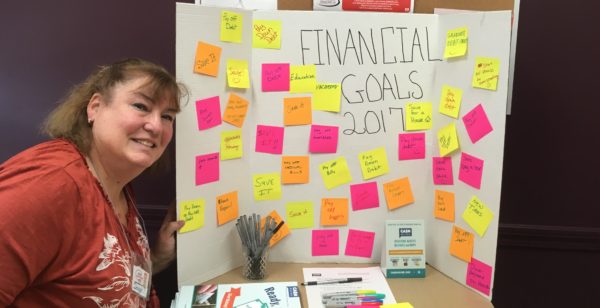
255 244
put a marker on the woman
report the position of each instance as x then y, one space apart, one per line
70 235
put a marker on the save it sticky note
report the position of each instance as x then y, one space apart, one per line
297 111
327 97
236 109
470 170
266 186
207 168
479 276
418 116
275 77
237 74
325 242
442 171
477 123
207 59
373 163
335 172
231 27
269 139
450 101
359 243
448 139
456 42
461 244
486 73
208 112
364 196
303 78
281 233
295 169
334 211
478 215
299 215
266 34
227 207
398 193
231 144
411 146
443 205
323 139
192 212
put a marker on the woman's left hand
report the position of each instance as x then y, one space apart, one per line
163 251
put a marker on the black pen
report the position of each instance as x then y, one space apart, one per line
330 281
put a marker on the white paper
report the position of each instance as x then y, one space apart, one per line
243 4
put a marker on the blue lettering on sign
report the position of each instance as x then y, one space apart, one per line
404 232
293 292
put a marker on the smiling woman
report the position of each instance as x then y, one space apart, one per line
71 234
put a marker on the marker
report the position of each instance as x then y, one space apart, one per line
366 297
358 292
331 281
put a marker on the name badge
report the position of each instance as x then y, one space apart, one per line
141 282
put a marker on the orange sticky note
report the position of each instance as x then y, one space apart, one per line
236 109
227 207
207 59
461 244
297 111
294 169
334 211
443 205
281 233
398 193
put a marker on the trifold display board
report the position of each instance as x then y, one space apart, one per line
352 118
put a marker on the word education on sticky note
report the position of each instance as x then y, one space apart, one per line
269 139
486 73
231 144
325 242
471 170
398 193
299 215
478 216
448 139
364 196
297 111
236 109
295 169
207 59
418 116
477 123
323 139
231 27
208 112
266 34
192 212
275 77
373 163
327 97
237 74
479 276
411 146
334 211
359 243
456 42
450 101
303 78
335 172
266 186
443 205
442 171
227 207
461 244
207 168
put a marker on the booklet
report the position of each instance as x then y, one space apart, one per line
259 295
404 249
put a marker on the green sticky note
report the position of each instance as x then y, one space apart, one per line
231 144
418 116
192 212
335 172
327 97
267 186
299 215
448 139
478 216
450 101
456 42
231 27
373 163
237 74
266 34
303 78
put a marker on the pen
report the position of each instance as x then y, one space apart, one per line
358 292
330 281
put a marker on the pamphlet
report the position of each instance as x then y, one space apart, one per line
404 250
259 295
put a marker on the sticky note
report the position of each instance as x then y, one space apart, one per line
456 42
266 186
236 109
275 77
443 205
461 244
231 144
418 116
442 171
269 139
335 172
398 305
227 207
295 169
450 101
398 193
299 215
208 112
411 146
303 78
323 139
373 163
478 216
327 97
359 243
325 242
237 74
231 27
334 211
297 111
479 276
364 196
470 170
207 59
477 124
447 139
192 212
486 73
207 168
266 34
281 233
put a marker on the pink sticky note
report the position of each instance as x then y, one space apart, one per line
207 168
323 139
442 171
325 242
471 169
269 139
479 276
275 77
477 123
359 243
208 111
411 146
364 196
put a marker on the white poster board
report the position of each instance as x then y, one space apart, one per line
415 43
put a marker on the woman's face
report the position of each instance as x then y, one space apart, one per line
130 128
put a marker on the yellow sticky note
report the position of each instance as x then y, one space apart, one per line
334 211
461 244
303 78
448 139
478 216
486 73
327 97
192 212
266 34
231 27
398 193
450 101
266 186
456 42
231 144
227 207
294 169
335 172
443 205
418 116
397 305
207 59
299 215
373 163
283 231
237 74
297 111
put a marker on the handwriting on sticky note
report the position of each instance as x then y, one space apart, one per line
297 111
269 139
442 171
207 168
325 242
450 101
192 212
237 74
373 163
266 34
295 169
456 42
461 244
411 146
334 211
418 116
448 139
335 172
478 215
359 243
303 78
281 233
207 59
275 77
208 112
471 170
327 97
299 214
227 207
443 204
364 196
479 276
231 27
236 109
231 144
323 139
486 73
266 186
398 193
477 123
